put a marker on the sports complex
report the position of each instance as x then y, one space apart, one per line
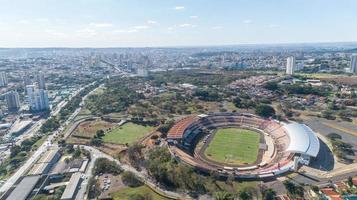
241 144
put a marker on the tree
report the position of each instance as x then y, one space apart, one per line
130 179
334 136
272 85
100 133
223 195
237 102
293 189
94 188
265 110
245 195
14 151
77 153
268 194
350 181
96 142
103 165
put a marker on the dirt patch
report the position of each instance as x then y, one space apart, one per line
89 128
109 184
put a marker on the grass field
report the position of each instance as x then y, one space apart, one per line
127 193
234 146
89 128
127 133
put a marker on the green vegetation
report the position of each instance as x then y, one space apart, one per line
137 193
116 97
340 148
167 171
50 125
103 165
18 154
73 104
234 146
127 133
130 179
294 191
265 110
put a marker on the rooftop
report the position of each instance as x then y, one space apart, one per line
24 188
72 186
302 139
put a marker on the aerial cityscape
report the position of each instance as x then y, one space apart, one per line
162 100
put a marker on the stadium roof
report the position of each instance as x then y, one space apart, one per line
302 139
176 132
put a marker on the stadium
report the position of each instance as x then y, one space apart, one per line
242 145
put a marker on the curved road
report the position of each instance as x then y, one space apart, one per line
143 175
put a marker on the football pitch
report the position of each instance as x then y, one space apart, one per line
127 133
234 146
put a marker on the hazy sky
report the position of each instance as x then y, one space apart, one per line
122 23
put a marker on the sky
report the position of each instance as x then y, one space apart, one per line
155 23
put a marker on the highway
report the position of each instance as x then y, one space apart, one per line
44 147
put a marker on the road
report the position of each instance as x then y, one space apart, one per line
143 175
44 147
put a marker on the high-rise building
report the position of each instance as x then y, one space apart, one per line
3 79
12 101
353 68
290 65
41 81
38 99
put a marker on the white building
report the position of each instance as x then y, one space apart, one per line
290 65
38 99
3 79
353 67
13 101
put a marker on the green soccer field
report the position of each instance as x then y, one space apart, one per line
127 133
234 146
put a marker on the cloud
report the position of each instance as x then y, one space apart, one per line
152 22
216 27
187 25
273 26
42 20
87 32
247 21
193 16
134 29
101 25
23 21
126 31
141 27
56 33
179 8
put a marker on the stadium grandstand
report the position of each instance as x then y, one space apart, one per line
283 147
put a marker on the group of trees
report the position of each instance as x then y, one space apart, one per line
265 110
103 165
18 154
303 89
116 97
172 174
97 139
50 125
295 191
74 103
340 148
209 94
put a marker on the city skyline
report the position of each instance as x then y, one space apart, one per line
156 23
